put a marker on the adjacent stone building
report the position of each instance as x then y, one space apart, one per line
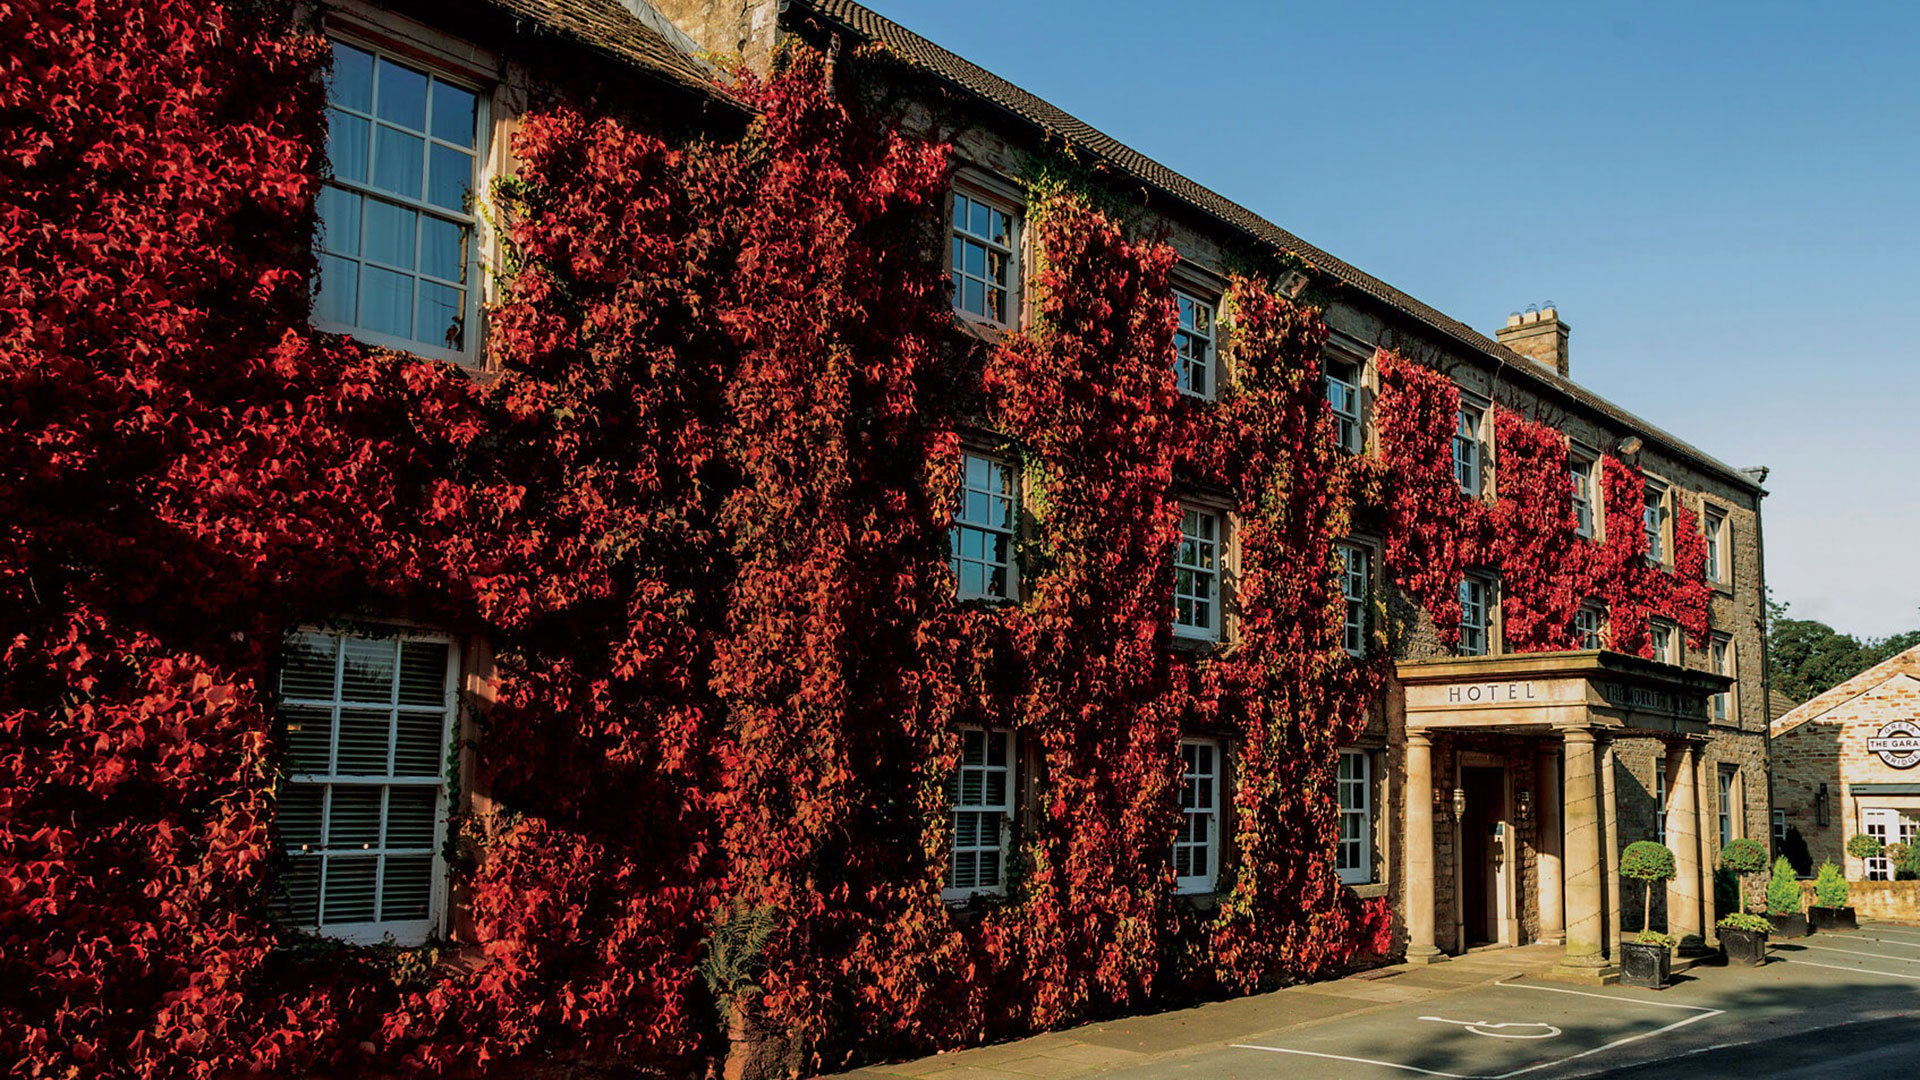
1848 762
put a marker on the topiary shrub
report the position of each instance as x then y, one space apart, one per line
1783 889
1897 853
1740 920
1744 856
1907 868
1830 887
1865 846
1646 861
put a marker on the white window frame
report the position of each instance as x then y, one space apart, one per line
1469 449
1208 337
1354 795
1725 658
471 353
1590 626
1670 653
1211 629
960 525
1003 809
1201 814
404 932
1356 589
1656 515
1485 608
973 191
1344 398
1779 832
1730 824
1713 523
1581 468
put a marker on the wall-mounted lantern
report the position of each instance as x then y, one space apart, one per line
1524 799
1459 802
1820 805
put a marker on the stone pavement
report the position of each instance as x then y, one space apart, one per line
1129 1042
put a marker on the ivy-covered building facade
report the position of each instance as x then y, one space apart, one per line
816 551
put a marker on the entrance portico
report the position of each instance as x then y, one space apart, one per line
1547 774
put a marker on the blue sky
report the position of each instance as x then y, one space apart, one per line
1721 198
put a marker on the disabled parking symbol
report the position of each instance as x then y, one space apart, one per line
1514 1030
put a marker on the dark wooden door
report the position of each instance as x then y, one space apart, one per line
1486 790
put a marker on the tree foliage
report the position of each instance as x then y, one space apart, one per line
1806 657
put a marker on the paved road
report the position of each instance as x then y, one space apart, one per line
1833 1005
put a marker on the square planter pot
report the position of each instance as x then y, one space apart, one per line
1645 965
1832 918
1745 948
1789 926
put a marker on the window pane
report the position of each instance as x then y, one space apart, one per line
351 83
366 673
418 748
339 220
410 815
450 177
397 161
363 742
299 891
298 816
347 138
354 820
350 885
307 667
402 94
443 249
406 887
309 732
386 302
442 322
390 233
454 113
336 297
423 673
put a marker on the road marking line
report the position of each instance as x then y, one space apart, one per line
1702 1013
1886 940
1857 952
1855 970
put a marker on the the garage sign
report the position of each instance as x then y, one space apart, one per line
1898 744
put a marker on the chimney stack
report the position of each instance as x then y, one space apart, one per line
1539 335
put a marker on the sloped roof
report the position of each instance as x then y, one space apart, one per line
619 30
1779 705
984 84
1906 663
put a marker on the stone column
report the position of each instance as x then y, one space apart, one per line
1704 826
1683 836
1419 848
1553 924
1610 844
1583 961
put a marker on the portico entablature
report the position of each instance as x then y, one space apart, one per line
1541 692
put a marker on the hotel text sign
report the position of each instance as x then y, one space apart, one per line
1898 744
1490 693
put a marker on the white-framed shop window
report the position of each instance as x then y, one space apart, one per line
1198 564
1356 564
985 523
398 250
1195 345
1196 846
980 793
1887 826
1354 860
1580 470
1343 394
366 720
983 263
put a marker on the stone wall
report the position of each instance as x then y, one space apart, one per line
1889 901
